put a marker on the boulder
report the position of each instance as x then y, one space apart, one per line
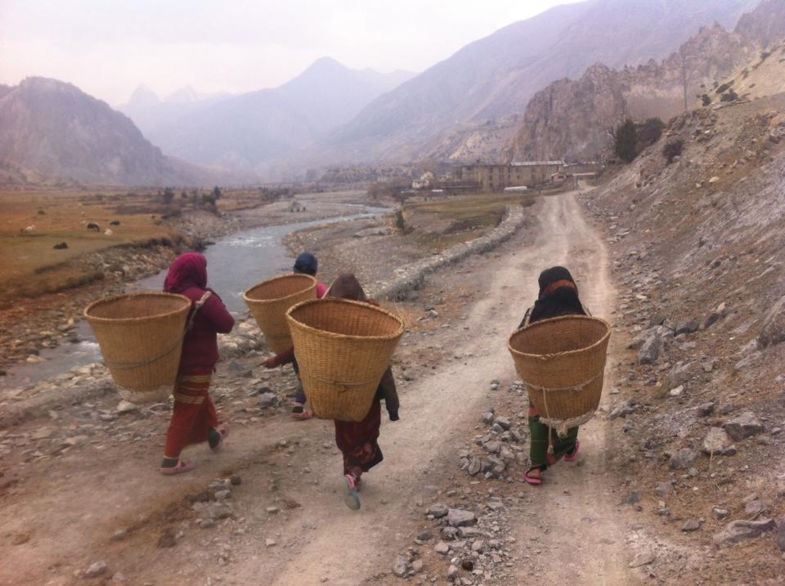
683 459
739 530
652 345
743 426
717 442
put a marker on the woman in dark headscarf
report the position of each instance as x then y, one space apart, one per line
194 418
306 264
358 441
558 296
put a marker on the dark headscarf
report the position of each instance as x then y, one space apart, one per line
188 270
346 286
307 264
558 295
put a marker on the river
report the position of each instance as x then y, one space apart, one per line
234 264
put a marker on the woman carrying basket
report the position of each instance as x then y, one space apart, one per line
358 442
194 418
558 296
306 264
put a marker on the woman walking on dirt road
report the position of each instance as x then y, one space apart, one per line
194 418
358 441
558 296
305 264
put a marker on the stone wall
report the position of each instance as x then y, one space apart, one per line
411 277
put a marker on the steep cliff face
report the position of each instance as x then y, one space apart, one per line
57 130
766 24
571 119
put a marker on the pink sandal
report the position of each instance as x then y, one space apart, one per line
352 499
573 455
181 467
533 480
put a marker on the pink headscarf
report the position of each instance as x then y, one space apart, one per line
188 270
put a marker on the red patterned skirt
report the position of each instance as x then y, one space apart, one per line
357 442
193 415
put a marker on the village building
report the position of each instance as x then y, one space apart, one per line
515 174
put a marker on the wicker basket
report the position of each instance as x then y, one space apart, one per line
141 337
269 301
343 348
561 361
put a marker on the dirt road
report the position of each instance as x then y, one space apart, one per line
290 525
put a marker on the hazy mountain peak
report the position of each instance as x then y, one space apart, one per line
143 96
184 95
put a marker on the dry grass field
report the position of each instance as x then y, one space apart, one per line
442 223
44 235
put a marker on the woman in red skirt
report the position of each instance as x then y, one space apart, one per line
194 419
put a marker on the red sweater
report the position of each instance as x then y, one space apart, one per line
200 346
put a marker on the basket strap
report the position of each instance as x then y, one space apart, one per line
563 425
346 385
131 365
577 387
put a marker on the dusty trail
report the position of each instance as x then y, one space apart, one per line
74 506
439 410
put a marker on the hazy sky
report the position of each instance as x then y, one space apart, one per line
109 47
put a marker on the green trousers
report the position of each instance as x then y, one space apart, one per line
538 451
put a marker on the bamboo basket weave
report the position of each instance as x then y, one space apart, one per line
141 337
561 361
269 301
343 348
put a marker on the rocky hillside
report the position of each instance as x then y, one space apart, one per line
56 130
698 247
570 119
761 77
248 130
458 104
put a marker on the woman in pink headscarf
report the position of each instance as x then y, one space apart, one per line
194 419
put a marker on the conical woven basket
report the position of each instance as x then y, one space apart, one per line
269 301
141 337
561 361
343 348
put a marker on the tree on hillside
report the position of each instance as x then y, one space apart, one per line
648 133
625 138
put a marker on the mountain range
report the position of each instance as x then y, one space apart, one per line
494 78
55 130
244 131
600 55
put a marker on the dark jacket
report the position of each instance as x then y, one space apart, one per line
387 391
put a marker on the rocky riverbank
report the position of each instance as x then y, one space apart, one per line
30 325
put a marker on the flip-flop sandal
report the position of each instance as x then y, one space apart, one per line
352 499
181 467
572 456
223 431
533 480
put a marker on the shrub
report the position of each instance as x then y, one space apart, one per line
625 138
648 133
705 99
672 149
723 88
730 96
